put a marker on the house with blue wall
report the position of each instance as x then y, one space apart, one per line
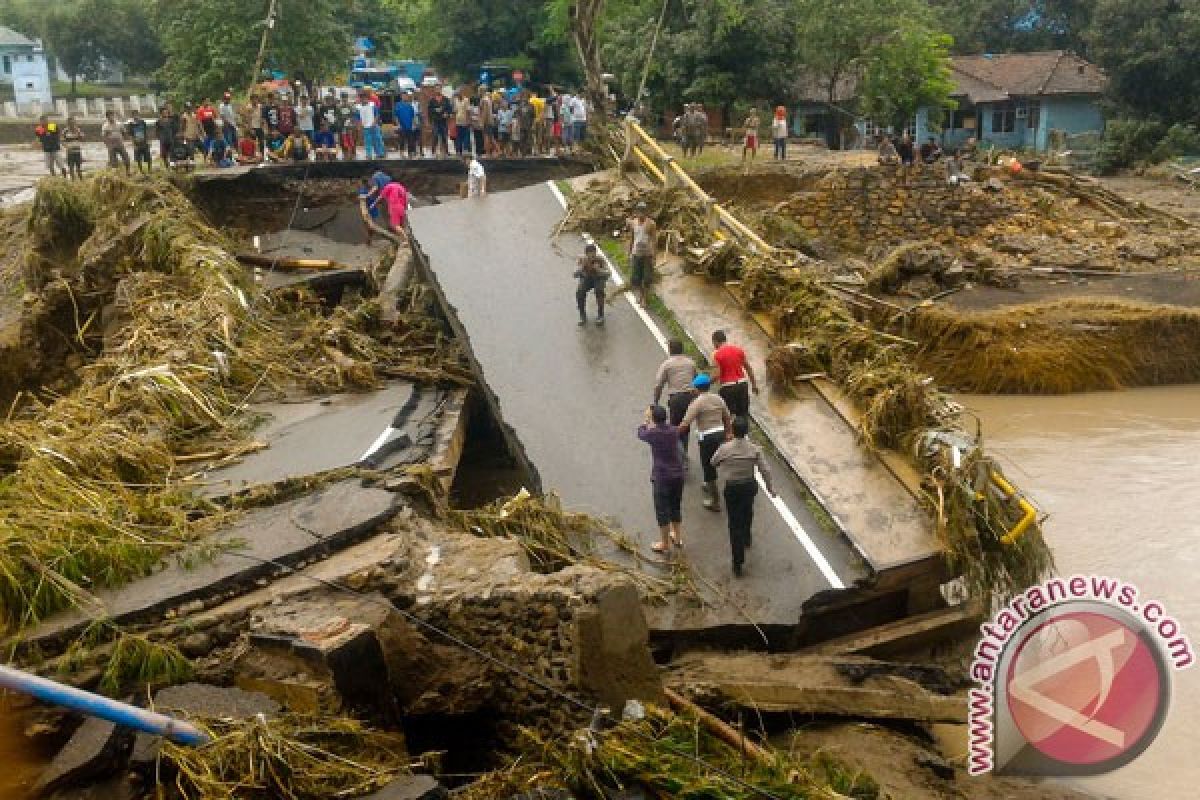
1014 100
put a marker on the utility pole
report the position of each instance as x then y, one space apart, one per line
268 25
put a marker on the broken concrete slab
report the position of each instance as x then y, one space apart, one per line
193 700
410 787
258 543
324 652
908 633
95 750
824 685
214 702
375 428
614 660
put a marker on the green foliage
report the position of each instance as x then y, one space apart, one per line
1180 140
85 34
1152 54
460 35
909 70
137 661
211 46
1014 26
1129 142
712 52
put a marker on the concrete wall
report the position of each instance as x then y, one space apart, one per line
1073 114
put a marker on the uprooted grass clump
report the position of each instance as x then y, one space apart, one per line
291 757
1054 348
555 539
88 493
666 755
900 406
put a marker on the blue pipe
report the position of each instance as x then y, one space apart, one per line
95 705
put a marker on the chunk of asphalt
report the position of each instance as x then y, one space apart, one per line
96 750
198 700
410 787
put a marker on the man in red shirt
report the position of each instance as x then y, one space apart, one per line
736 375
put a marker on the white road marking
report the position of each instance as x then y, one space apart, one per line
378 443
785 513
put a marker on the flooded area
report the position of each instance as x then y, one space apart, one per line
1118 473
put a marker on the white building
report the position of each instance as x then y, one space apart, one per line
23 66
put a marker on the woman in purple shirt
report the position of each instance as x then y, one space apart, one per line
666 476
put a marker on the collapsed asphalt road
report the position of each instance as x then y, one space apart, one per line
573 396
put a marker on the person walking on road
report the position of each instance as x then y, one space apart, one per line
643 243
676 375
709 414
735 462
592 274
476 177
736 375
666 476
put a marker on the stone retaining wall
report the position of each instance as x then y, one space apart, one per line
858 208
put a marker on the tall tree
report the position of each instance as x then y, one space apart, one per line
1151 50
211 46
86 35
718 52
459 35
841 39
909 70
1009 26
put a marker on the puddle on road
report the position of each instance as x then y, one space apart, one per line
1119 474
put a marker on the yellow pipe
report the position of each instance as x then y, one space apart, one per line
743 229
649 164
649 140
687 180
1026 521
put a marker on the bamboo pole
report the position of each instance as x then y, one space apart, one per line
717 727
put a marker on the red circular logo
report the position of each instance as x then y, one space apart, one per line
1087 688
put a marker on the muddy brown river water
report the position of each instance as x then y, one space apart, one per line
1119 474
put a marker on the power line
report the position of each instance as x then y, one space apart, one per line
597 712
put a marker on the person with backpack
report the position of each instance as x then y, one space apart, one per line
50 139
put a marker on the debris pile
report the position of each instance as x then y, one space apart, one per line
90 498
919 258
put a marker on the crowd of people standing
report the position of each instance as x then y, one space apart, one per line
283 126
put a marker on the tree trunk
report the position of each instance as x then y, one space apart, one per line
584 17
74 79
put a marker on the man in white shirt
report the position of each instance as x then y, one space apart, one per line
368 117
579 115
476 177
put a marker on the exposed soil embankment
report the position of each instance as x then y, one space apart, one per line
1034 282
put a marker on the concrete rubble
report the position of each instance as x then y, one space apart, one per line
337 589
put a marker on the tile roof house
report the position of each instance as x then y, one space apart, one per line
1014 100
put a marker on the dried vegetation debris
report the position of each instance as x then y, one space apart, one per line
88 495
666 754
